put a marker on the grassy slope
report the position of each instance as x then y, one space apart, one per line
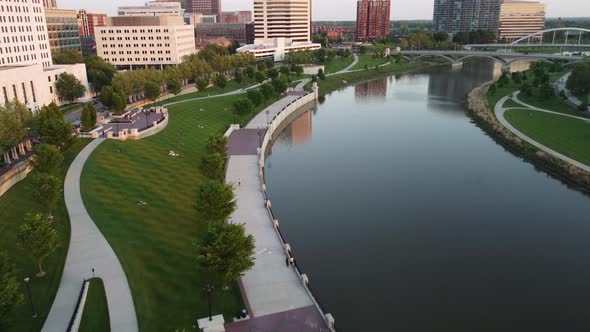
337 64
14 204
95 317
155 242
566 135
212 91
368 59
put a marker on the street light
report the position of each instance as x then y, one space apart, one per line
267 113
209 289
30 297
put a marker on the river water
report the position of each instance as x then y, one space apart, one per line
407 217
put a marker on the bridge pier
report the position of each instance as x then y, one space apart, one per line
457 65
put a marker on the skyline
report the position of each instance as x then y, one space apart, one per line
323 10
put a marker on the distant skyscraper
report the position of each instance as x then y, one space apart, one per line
454 16
283 19
205 7
372 19
50 3
521 18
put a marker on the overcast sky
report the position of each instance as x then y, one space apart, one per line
340 10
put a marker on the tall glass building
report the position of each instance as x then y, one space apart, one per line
452 16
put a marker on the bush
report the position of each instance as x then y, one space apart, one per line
217 144
202 83
321 74
260 76
213 166
255 96
243 106
220 81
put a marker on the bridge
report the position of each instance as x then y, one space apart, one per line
538 40
504 58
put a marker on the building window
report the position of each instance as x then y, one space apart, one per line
33 92
25 93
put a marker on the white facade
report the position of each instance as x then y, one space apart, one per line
141 41
277 48
283 19
23 34
153 8
34 85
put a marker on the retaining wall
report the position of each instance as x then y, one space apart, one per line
16 174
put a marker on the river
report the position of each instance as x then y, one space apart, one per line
408 217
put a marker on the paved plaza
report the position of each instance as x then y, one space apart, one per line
138 120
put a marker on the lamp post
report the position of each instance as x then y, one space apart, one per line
30 297
209 289
267 113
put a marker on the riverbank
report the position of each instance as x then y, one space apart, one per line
481 113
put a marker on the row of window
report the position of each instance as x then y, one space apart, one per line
137 38
135 31
15 94
137 52
135 45
136 59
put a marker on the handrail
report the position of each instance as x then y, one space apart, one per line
71 324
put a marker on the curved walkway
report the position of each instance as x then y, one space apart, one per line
89 249
499 110
534 108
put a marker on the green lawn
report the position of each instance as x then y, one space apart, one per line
368 59
570 137
95 317
337 64
155 242
14 204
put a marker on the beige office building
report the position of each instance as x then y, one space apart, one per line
521 18
289 19
130 42
62 28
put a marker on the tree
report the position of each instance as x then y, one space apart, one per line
88 117
243 106
546 91
106 96
13 124
492 90
297 69
260 76
321 74
255 96
269 63
250 72
220 81
69 87
363 50
227 251
285 70
47 159
174 87
46 191
238 75
517 77
267 90
202 83
67 56
38 238
526 89
215 201
50 125
213 165
461 38
398 58
10 290
152 91
440 36
119 104
280 84
579 81
100 73
217 144
92 111
272 73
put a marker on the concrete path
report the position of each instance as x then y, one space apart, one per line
499 110
89 249
560 85
347 69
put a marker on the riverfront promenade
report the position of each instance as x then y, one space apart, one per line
89 249
273 291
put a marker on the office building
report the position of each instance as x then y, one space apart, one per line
521 18
232 31
372 19
453 16
130 42
289 19
205 7
153 8
236 17
88 21
62 28
277 48
50 3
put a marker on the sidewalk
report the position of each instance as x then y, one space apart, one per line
89 249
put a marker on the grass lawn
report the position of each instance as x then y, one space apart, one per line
566 135
95 317
368 59
212 91
14 204
155 242
337 64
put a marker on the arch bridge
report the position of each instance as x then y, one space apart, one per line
553 40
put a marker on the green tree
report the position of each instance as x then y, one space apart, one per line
69 87
174 87
217 144
579 81
272 73
269 63
546 91
47 159
118 104
220 81
10 290
239 75
100 73
106 96
260 76
86 120
67 56
280 84
321 74
13 124
152 91
255 96
267 90
250 72
526 89
50 125
213 166
492 90
285 70
227 251
297 69
215 201
202 83
517 77
243 106
46 191
38 238
92 111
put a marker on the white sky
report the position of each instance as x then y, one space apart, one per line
341 10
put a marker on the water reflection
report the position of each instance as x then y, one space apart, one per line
371 91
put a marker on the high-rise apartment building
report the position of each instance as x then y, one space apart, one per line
130 42
50 3
372 19
283 19
205 7
521 18
62 28
23 34
452 16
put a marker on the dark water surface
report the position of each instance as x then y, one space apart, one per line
407 217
